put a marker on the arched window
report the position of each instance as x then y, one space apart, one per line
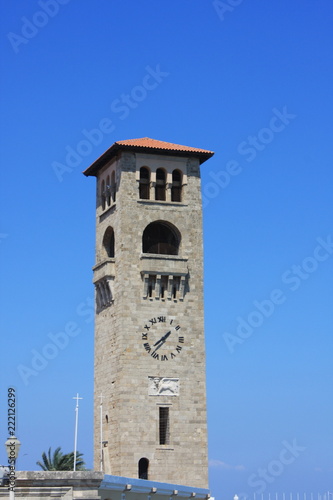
108 242
103 194
161 238
160 186
108 191
143 466
144 183
113 186
176 188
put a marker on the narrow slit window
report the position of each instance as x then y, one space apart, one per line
164 425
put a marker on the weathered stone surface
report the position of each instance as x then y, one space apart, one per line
123 367
52 485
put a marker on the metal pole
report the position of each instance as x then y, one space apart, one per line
101 431
76 426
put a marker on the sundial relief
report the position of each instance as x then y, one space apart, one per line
163 386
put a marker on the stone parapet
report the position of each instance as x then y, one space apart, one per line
50 485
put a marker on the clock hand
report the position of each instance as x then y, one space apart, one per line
162 339
158 346
166 336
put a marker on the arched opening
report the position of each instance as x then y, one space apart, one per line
103 194
176 188
161 238
160 186
143 466
144 183
108 242
108 191
113 186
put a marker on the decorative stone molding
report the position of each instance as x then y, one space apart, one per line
174 286
104 269
170 264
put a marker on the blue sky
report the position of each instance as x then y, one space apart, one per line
247 79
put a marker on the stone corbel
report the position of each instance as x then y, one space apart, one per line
158 287
170 285
182 287
145 285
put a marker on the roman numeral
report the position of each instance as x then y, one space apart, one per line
181 340
147 346
164 357
177 327
155 355
178 348
145 336
161 319
173 355
153 321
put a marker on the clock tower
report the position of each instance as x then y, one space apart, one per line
150 393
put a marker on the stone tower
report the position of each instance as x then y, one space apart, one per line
149 332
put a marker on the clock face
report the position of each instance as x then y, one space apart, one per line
162 338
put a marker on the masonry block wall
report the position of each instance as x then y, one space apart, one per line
149 333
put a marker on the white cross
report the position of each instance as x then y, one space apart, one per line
77 399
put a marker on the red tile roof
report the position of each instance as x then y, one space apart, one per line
148 145
146 142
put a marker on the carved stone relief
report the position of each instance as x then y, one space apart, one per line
163 386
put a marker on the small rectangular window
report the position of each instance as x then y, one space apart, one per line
164 425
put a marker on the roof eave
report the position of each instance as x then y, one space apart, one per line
113 150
